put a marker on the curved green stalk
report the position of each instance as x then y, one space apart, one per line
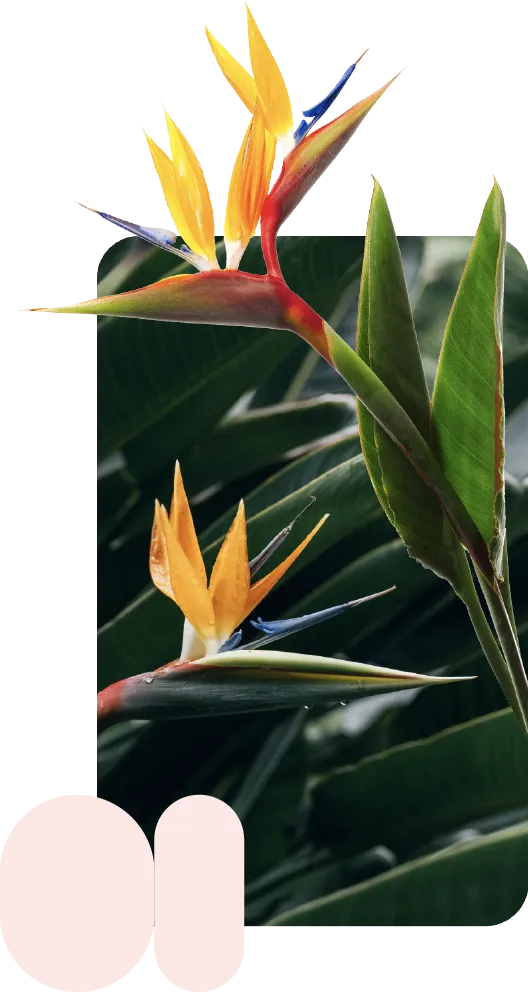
491 649
505 589
509 644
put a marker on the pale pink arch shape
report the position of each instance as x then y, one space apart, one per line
199 867
76 893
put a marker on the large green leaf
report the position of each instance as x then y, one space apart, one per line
217 750
182 383
410 794
278 484
387 341
252 440
481 882
416 718
298 475
468 406
306 876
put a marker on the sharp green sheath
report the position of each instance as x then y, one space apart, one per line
247 682
387 342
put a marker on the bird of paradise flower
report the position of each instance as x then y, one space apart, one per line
230 296
213 609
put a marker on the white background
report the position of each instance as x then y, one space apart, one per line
80 81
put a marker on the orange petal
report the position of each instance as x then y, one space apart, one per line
159 558
229 585
165 170
249 185
270 84
243 84
265 585
183 525
188 588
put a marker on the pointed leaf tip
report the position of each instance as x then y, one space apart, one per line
304 166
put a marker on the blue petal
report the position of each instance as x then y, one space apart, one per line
232 642
156 236
317 111
257 563
274 629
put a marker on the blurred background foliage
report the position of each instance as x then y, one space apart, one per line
407 808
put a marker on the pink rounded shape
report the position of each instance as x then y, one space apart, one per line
76 893
199 866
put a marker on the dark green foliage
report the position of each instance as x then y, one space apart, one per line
403 809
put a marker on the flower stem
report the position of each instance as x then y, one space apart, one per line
509 644
492 651
506 592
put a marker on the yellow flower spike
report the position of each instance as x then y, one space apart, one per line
243 84
230 579
271 87
183 525
265 585
248 187
194 200
189 590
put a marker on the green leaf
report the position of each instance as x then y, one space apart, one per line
482 882
249 441
218 753
304 877
270 823
415 792
248 681
266 762
387 342
418 718
299 475
158 380
468 405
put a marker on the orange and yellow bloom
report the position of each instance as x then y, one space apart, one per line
213 609
217 296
